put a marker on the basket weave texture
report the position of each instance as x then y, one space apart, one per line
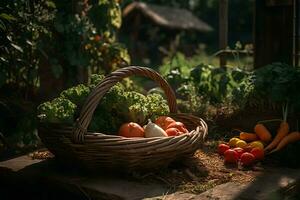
77 145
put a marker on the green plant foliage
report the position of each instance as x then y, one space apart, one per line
67 35
95 79
64 38
218 84
214 84
178 61
190 101
119 105
76 94
22 23
200 87
278 83
156 105
59 110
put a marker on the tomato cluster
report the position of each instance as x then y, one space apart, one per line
245 156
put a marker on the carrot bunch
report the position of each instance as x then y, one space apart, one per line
283 137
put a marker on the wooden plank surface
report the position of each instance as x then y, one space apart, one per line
46 179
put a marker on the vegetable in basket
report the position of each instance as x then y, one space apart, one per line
153 130
59 110
164 121
95 79
76 94
131 130
118 106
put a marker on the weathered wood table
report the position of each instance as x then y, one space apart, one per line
44 179
25 178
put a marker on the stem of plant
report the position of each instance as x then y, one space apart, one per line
285 111
269 120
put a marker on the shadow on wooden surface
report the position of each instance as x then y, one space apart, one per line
48 180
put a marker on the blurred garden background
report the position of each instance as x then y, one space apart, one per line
50 45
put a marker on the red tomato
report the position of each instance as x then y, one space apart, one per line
239 150
173 132
179 125
222 148
164 121
247 159
248 148
131 130
258 153
231 156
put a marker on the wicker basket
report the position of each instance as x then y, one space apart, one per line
79 146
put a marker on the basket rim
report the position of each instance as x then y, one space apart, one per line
201 127
70 128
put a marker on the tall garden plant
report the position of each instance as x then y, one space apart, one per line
48 45
84 39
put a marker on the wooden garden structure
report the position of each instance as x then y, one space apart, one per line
170 20
276 31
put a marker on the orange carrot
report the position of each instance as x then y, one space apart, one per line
248 137
290 138
262 132
282 131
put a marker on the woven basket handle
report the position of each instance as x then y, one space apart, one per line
109 81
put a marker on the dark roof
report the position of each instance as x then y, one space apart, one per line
168 17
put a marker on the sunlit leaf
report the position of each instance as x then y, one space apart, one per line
50 4
3 59
9 38
29 42
17 47
7 17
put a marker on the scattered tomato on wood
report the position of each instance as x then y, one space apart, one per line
257 144
164 121
247 159
258 153
222 148
232 142
131 129
231 156
239 150
241 144
248 148
179 125
173 132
